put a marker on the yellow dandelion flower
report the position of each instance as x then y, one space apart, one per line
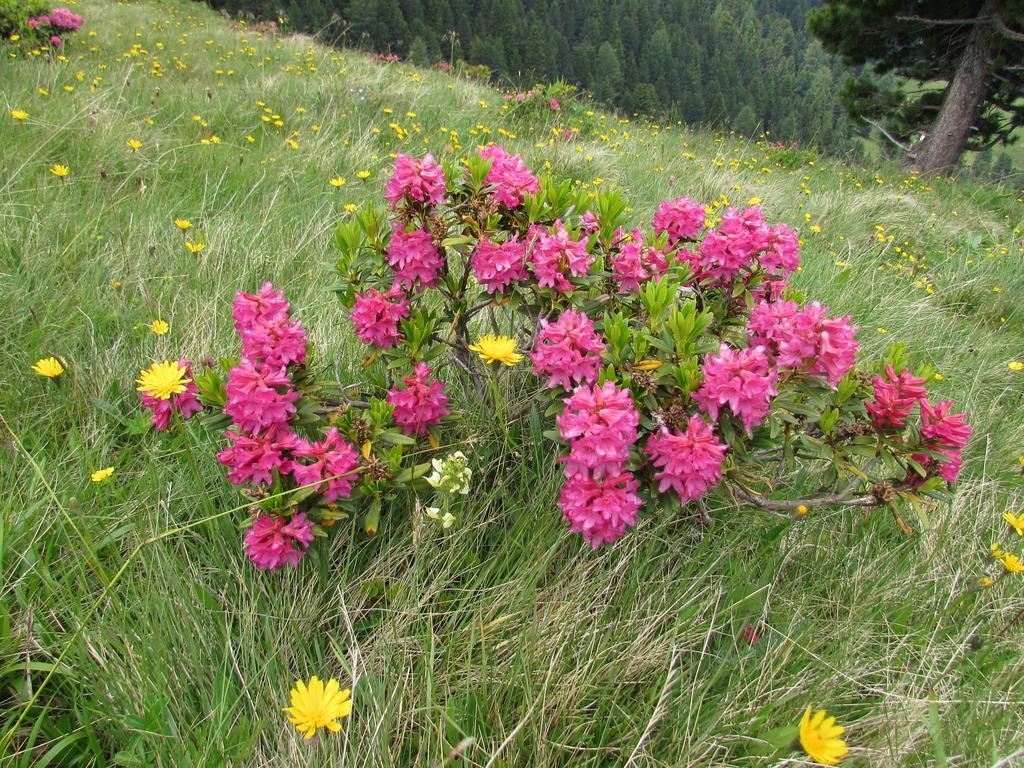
363 174
183 224
820 737
986 581
497 349
59 170
337 181
135 144
351 207
194 247
49 367
101 474
161 380
1016 365
1012 563
19 114
315 706
159 327
1015 521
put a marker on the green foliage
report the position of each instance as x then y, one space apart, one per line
14 14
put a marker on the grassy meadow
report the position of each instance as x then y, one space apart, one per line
135 632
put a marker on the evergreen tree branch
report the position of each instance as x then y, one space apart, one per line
885 133
1005 31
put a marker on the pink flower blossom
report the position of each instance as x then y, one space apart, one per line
332 458
34 23
268 333
742 379
634 263
56 42
942 428
421 181
555 105
63 18
253 459
421 403
568 350
782 255
690 462
376 316
682 219
600 509
513 178
498 266
414 258
599 423
187 404
555 256
895 397
259 397
804 338
724 251
590 223
275 541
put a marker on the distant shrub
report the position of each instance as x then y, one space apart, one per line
32 23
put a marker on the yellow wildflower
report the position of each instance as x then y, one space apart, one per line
19 114
59 170
497 349
820 737
49 367
316 706
161 380
159 327
101 474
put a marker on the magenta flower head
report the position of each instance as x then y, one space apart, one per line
782 255
513 179
634 263
690 462
599 423
334 460
63 18
187 403
56 42
895 397
376 316
737 241
600 509
681 219
421 403
268 333
554 257
498 266
275 541
254 459
804 338
568 350
420 181
259 397
414 258
742 379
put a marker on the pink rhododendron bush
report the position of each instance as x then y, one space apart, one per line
673 365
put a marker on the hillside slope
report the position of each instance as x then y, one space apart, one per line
504 641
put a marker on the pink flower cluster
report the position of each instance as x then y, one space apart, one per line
804 338
743 379
421 403
634 263
268 333
513 179
65 19
945 433
732 246
254 458
334 460
414 258
681 219
895 397
187 403
690 462
554 257
498 266
599 496
260 397
420 181
275 541
568 351
376 316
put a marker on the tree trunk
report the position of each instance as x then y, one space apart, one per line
941 149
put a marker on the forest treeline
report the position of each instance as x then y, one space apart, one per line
731 64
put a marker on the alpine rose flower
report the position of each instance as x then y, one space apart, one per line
635 263
332 458
513 178
803 338
376 316
254 459
690 462
259 397
554 256
498 266
65 19
186 403
945 433
733 245
599 423
742 379
414 258
275 541
421 403
421 181
568 350
600 509
782 255
681 219
268 333
895 397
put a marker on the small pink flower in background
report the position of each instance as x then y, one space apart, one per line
275 541
635 263
376 316
63 18
34 23
555 256
600 424
513 178
498 266
690 462
600 509
742 379
895 397
555 105
414 258
750 634
568 350
590 223
259 397
253 459
681 219
421 181
421 403
332 458
187 403
56 42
